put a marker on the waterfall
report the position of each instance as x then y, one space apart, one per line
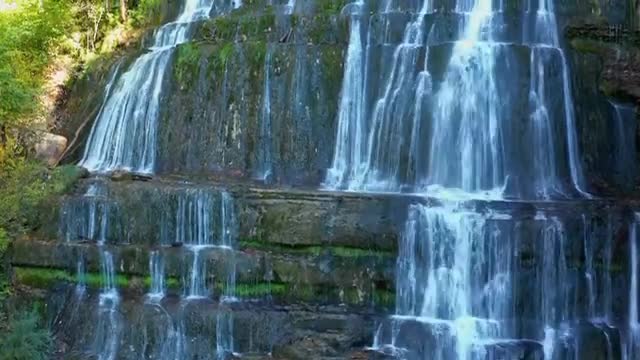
194 229
441 280
459 289
291 6
156 269
349 151
589 273
81 276
224 333
624 148
265 156
86 218
553 308
632 349
123 135
107 336
460 135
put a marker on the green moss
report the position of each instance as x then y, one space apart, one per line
588 46
331 61
47 277
222 28
314 250
186 64
330 7
384 297
170 282
256 53
220 57
42 278
256 290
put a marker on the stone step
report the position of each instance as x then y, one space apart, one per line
194 329
361 280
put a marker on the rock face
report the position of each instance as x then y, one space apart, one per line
50 148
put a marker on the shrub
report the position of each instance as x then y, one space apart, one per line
25 338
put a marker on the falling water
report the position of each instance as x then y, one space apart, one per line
624 143
372 161
86 218
81 276
124 134
224 333
441 281
349 152
589 273
633 337
471 149
265 157
156 268
553 307
107 336
194 229
291 6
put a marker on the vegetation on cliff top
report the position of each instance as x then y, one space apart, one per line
43 42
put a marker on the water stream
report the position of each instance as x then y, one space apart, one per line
124 134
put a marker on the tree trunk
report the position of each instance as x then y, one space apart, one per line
123 10
3 135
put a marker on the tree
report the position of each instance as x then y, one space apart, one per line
123 10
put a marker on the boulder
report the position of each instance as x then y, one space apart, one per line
50 148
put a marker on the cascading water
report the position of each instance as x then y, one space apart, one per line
465 142
624 151
460 293
291 6
156 269
123 135
349 151
194 229
86 219
264 166
109 326
448 296
632 348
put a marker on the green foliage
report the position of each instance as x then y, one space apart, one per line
330 7
26 339
220 57
186 63
37 32
5 288
256 55
27 37
147 13
25 188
